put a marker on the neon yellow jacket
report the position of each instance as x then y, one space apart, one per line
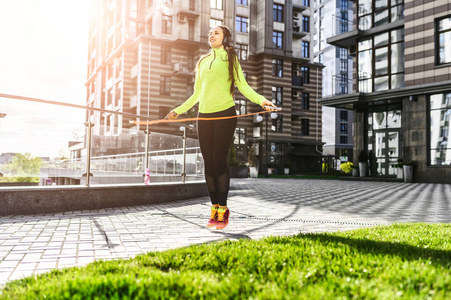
212 87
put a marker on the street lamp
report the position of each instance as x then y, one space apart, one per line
2 115
259 118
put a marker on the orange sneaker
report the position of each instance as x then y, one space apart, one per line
223 218
213 217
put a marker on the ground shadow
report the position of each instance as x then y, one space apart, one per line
403 251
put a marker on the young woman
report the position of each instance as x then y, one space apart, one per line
217 73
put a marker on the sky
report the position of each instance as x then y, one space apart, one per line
43 54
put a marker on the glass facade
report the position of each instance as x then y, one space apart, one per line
440 134
375 13
381 62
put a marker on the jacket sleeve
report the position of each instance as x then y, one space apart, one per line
193 99
244 87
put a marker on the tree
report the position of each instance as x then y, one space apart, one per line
24 168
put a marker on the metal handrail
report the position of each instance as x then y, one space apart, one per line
89 126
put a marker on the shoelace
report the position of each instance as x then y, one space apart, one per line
221 215
214 214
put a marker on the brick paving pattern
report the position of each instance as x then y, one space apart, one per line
36 244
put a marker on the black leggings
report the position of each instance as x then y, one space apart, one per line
215 138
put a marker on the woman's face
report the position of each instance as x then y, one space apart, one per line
215 38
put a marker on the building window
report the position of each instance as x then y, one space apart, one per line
443 41
241 107
305 24
343 128
277 124
306 3
109 100
343 116
305 49
305 101
380 62
240 136
343 22
241 2
241 50
165 85
375 13
216 4
241 24
165 55
305 126
215 23
277 67
305 73
440 133
343 139
166 24
277 13
277 39
277 95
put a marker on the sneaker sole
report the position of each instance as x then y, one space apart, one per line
222 227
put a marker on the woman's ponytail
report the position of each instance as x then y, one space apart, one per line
231 56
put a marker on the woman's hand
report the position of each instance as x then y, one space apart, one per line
171 115
269 106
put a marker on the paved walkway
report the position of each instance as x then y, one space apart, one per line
259 207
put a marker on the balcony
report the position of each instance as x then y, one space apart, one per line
341 84
297 30
299 5
185 43
344 35
181 70
186 13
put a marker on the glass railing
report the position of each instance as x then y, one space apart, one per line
50 143
341 25
342 84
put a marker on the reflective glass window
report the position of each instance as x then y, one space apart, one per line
381 18
365 66
397 81
381 56
440 133
397 35
381 83
381 39
443 41
397 58
381 4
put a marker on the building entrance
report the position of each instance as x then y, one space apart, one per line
385 140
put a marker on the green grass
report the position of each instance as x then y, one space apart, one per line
401 261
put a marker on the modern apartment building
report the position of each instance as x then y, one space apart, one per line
142 54
401 85
332 17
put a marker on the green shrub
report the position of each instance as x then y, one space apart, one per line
347 167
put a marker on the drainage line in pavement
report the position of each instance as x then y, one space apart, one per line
281 220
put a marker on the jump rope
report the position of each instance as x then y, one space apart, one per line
202 119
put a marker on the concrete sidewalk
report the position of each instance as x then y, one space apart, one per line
259 207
